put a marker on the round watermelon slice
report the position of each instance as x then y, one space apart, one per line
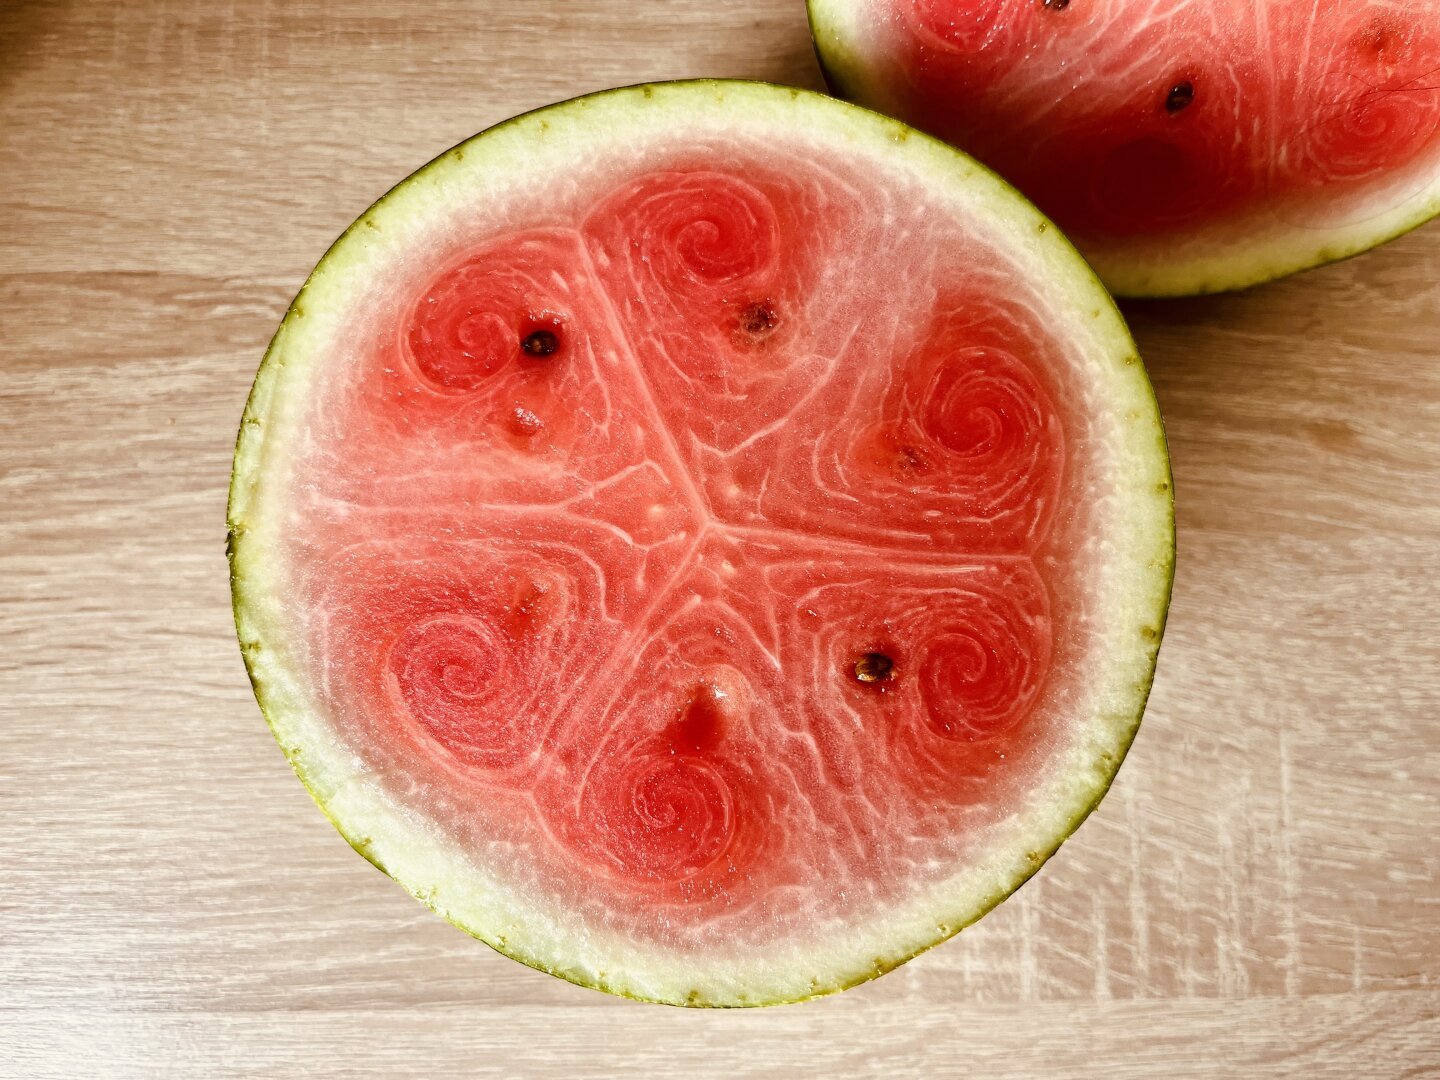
706 540
1185 147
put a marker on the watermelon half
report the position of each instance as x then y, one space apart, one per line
706 540
1186 147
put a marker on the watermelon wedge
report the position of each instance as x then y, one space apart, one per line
706 540
1184 147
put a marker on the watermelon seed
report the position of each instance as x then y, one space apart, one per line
912 460
1180 95
539 343
759 318
1057 5
874 667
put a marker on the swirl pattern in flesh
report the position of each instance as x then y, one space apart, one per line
955 441
1124 121
1375 89
493 380
723 294
661 814
669 792
451 672
462 655
628 590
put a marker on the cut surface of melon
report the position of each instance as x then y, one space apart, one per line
1185 148
706 540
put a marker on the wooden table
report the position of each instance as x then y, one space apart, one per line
1258 895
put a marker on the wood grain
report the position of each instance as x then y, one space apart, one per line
1257 897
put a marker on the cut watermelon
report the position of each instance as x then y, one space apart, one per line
706 540
1185 147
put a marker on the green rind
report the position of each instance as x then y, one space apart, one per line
247 559
1167 275
1247 275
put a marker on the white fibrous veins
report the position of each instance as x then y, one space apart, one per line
1159 119
707 548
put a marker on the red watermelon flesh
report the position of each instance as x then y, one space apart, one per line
1183 146
708 551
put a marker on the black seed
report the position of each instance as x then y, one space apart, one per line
874 667
1180 95
1057 5
540 343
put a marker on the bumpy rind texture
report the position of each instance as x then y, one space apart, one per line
1260 251
1134 584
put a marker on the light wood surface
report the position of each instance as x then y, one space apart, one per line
1258 895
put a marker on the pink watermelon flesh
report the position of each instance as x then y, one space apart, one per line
1279 133
704 465
709 541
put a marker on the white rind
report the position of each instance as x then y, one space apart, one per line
1262 247
490 171
1255 248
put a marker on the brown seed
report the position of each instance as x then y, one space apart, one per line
540 343
1057 5
874 667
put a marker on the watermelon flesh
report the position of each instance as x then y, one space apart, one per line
1184 147
715 571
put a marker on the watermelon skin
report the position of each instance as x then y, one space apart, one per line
383 827
1161 198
